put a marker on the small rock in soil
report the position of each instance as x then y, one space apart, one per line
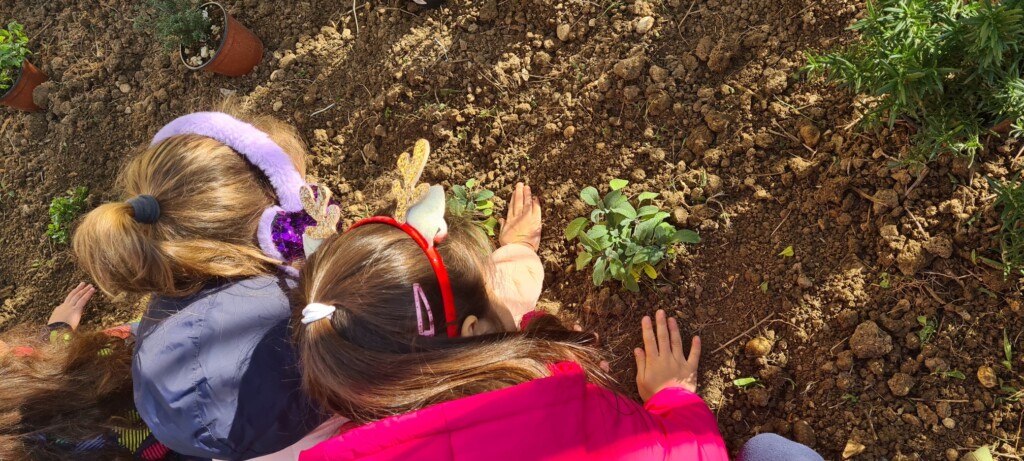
869 341
716 121
987 377
758 347
885 200
563 31
680 215
286 61
125 88
804 282
900 384
630 68
912 259
644 25
810 135
852 449
569 132
940 246
758 397
804 433
658 74
721 57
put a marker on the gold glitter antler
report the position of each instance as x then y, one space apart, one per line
320 209
405 190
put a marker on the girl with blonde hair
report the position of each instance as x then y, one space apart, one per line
211 227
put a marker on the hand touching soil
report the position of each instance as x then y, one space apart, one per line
523 223
70 311
661 363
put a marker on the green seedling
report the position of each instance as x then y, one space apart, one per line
63 211
952 374
624 242
1007 352
174 22
928 327
883 280
747 383
474 203
763 286
850 398
788 252
1010 202
13 51
949 68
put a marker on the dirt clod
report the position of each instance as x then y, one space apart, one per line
630 68
869 341
810 135
900 384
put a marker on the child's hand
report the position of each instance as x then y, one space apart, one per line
523 223
661 363
70 311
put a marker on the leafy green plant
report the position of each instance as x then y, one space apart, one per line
63 211
475 203
928 327
949 68
746 383
174 22
13 51
623 241
952 374
1010 199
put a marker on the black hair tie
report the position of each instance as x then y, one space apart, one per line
146 209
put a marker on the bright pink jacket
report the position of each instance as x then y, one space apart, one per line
560 417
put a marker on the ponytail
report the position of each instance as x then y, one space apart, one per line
367 361
210 202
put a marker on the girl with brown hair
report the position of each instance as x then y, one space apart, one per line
401 333
67 395
212 228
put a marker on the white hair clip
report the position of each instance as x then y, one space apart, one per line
316 311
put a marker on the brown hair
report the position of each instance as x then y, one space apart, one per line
368 361
71 390
211 200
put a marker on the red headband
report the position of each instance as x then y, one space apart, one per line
435 262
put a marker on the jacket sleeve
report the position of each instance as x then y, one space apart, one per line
687 421
517 278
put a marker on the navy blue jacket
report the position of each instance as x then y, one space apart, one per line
215 373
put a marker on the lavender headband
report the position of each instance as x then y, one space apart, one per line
281 226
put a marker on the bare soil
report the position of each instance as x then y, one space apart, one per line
700 100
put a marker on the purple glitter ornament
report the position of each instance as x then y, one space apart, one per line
286 232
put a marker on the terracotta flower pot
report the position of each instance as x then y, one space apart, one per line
19 96
239 51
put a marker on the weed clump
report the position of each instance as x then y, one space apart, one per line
1010 200
63 211
950 69
623 241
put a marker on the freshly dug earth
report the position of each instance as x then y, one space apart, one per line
699 100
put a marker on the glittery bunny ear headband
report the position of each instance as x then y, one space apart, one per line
282 228
419 212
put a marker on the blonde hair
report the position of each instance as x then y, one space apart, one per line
211 200
367 361
72 390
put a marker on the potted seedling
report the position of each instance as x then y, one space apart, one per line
207 37
18 77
